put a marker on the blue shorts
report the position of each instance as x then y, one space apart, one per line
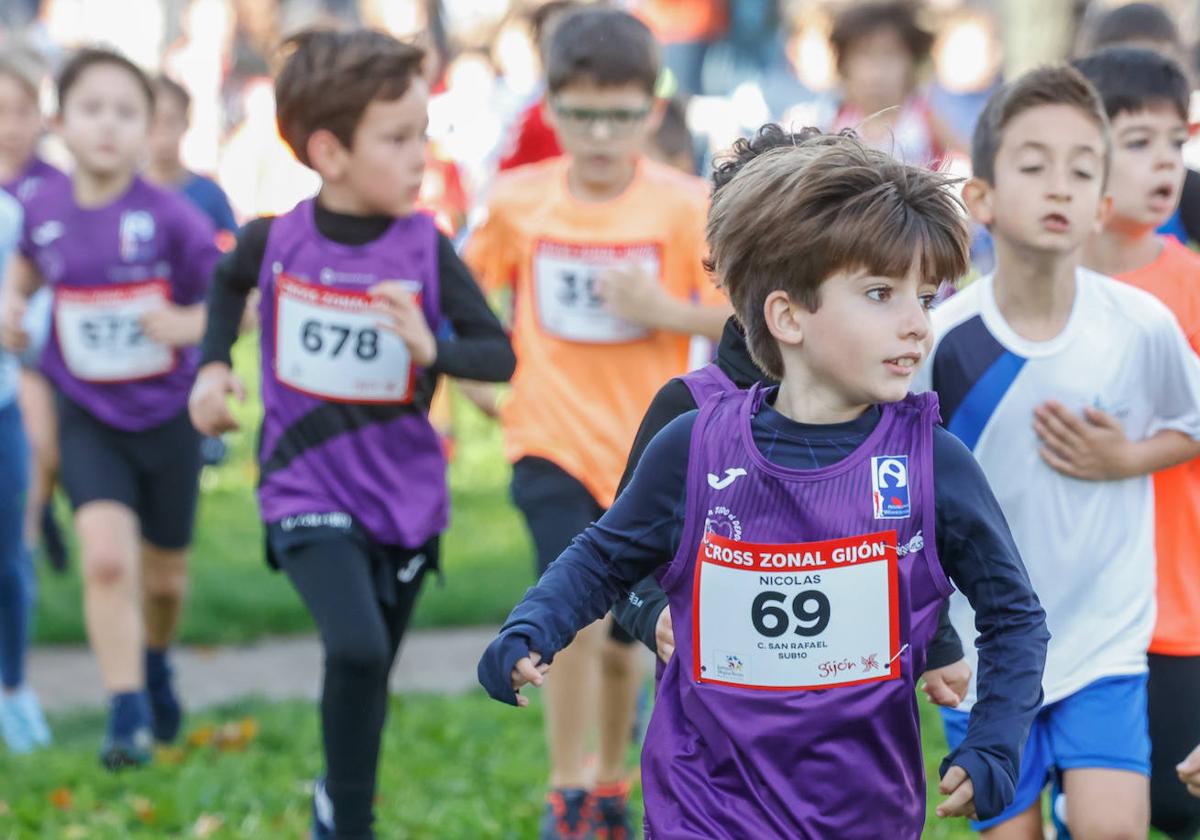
1103 725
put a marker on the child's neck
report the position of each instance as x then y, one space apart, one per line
1116 251
593 192
96 189
802 399
339 198
1034 291
166 173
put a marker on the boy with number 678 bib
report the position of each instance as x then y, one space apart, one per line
356 291
795 532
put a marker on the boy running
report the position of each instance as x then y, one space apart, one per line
354 286
806 535
604 250
1146 98
1020 355
128 265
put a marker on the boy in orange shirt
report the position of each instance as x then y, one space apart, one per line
603 249
1146 96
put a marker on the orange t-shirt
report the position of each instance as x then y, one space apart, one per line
584 377
1174 278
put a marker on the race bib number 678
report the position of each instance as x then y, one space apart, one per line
796 616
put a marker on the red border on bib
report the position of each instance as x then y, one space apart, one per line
749 558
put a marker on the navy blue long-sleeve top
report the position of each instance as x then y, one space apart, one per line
643 528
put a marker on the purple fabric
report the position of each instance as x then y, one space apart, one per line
706 381
30 180
725 761
146 234
388 474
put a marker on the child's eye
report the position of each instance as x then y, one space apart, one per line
1033 169
880 293
1137 144
927 301
1083 174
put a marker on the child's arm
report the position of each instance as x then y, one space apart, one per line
22 281
1189 772
194 253
978 552
234 277
635 296
479 350
1094 447
638 533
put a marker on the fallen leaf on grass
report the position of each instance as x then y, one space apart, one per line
207 825
61 799
201 736
236 735
143 809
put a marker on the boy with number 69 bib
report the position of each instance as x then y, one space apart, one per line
795 532
356 290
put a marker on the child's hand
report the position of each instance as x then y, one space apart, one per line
959 792
1092 447
404 317
1189 772
947 686
173 325
528 670
207 404
664 635
631 293
13 335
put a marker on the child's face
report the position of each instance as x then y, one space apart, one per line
167 128
1147 167
20 123
386 161
105 120
602 128
877 71
868 336
1048 186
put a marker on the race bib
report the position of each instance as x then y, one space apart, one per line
100 334
797 616
328 345
566 283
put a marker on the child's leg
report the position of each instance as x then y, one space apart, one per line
1027 825
109 542
1107 804
36 398
1100 740
1174 692
164 585
16 584
334 578
620 681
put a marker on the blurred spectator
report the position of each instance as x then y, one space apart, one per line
685 29
672 143
967 60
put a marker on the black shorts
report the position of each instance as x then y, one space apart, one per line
1174 711
557 508
155 473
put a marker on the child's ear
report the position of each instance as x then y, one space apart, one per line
1104 212
326 154
784 318
977 195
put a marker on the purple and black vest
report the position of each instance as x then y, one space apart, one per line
353 446
803 602
705 381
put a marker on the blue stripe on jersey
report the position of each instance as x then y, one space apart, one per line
971 373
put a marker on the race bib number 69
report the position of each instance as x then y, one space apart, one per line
796 616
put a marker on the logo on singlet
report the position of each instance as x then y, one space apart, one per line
731 475
137 236
889 487
721 521
46 233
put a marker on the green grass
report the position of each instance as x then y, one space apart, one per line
234 597
462 767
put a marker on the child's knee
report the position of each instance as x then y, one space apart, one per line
108 569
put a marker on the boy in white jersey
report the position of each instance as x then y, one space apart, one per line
1042 329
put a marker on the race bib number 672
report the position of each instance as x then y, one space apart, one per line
796 616
99 330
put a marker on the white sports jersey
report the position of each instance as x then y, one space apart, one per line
1088 545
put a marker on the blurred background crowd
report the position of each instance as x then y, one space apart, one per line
732 65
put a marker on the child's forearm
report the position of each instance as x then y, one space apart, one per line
689 318
1166 449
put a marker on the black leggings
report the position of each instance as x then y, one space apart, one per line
339 582
1174 695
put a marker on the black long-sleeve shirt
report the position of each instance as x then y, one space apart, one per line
638 612
643 529
477 349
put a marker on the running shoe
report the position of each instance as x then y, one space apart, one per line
567 816
136 750
15 731
322 813
611 809
166 715
31 713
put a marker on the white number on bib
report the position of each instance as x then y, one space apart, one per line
99 331
798 616
566 279
328 344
